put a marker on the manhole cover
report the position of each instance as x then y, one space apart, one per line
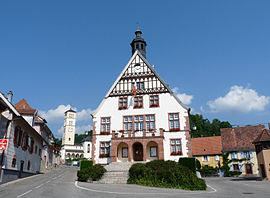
247 193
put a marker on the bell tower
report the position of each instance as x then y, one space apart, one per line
138 43
69 127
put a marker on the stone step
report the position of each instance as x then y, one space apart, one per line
113 177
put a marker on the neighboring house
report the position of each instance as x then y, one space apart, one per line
238 142
39 124
140 118
208 150
21 158
262 145
69 149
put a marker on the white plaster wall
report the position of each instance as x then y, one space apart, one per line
166 144
85 148
167 102
101 138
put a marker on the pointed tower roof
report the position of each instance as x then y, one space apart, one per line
24 108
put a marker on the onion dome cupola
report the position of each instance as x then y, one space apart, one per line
138 43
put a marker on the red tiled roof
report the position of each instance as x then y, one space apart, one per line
24 108
206 145
240 138
263 137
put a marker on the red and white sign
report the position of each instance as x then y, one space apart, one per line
3 144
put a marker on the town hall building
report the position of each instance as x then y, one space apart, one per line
140 118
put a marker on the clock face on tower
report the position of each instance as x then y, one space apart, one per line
137 69
70 129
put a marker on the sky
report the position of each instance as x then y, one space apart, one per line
61 54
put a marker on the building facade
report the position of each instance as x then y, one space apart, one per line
208 150
21 158
238 142
262 145
140 118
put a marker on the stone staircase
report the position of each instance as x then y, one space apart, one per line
117 173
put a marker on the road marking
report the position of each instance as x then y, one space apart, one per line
127 193
47 181
24 193
39 186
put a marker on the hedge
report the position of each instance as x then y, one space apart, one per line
86 164
190 162
168 174
94 173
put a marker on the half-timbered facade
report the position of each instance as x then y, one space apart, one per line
140 118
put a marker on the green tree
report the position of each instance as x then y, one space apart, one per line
205 128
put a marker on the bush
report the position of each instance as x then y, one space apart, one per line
189 162
207 171
233 173
94 173
86 164
168 174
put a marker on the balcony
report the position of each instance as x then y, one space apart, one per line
137 133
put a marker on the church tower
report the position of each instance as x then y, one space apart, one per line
69 127
138 43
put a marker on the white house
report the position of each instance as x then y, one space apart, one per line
22 155
140 118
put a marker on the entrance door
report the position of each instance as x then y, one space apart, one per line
263 171
21 169
249 169
137 152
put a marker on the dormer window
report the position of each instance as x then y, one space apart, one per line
123 101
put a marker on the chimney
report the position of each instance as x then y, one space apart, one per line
9 96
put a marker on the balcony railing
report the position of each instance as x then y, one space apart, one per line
137 133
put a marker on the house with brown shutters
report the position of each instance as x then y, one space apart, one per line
208 150
238 142
49 156
262 145
21 157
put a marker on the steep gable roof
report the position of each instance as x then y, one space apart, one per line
8 104
206 145
128 76
240 138
263 137
24 108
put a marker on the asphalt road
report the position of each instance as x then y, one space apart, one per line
61 183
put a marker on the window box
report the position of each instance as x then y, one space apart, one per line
121 108
176 129
153 134
154 105
104 155
177 153
121 131
105 133
137 106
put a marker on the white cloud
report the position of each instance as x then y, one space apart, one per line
78 130
54 116
239 99
186 99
